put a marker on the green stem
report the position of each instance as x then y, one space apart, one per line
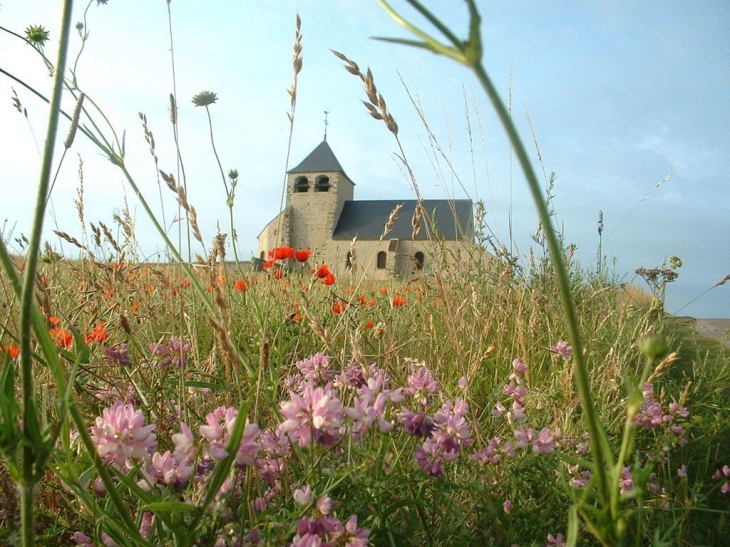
32 448
599 442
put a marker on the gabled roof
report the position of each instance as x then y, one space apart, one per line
452 219
319 160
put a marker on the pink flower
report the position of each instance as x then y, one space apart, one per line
121 437
315 415
217 431
421 385
563 349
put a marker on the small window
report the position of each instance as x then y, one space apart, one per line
381 260
301 185
322 184
348 260
419 260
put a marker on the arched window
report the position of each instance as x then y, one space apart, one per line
322 184
348 260
419 260
381 260
301 185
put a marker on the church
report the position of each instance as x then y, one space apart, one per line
321 214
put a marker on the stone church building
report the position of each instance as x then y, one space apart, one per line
321 214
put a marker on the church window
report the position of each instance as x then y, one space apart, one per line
419 260
381 260
348 260
301 185
322 184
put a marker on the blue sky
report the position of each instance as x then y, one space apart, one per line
621 96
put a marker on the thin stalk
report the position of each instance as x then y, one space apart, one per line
32 448
599 443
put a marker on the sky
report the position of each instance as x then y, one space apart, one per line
628 103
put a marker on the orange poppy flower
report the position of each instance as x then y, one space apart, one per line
240 285
323 271
302 255
337 308
282 253
53 320
185 283
369 325
11 350
268 264
61 337
97 335
398 301
329 279
383 290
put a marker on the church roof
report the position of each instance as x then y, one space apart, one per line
452 219
319 160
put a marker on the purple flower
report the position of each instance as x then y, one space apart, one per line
418 424
558 541
421 385
315 415
121 437
119 355
174 353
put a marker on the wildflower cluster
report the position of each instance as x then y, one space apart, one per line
444 433
321 527
173 353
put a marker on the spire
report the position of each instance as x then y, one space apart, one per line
319 160
326 123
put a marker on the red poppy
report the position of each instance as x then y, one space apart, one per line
383 290
240 285
97 335
323 271
282 253
398 301
362 299
369 325
329 279
53 320
268 264
337 308
185 283
11 350
302 255
61 337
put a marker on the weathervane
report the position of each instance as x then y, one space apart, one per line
326 123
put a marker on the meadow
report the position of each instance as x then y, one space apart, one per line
493 400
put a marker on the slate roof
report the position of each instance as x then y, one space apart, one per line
319 160
367 219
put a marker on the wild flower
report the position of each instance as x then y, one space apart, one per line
166 469
282 253
626 481
302 255
11 350
420 384
173 353
558 541
119 355
316 370
563 349
398 301
723 475
314 416
488 454
98 334
121 437
240 285
217 432
62 338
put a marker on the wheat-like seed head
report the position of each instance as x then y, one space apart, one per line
391 221
416 220
662 367
110 237
375 105
72 240
74 122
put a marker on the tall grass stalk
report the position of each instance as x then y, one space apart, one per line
469 53
35 445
